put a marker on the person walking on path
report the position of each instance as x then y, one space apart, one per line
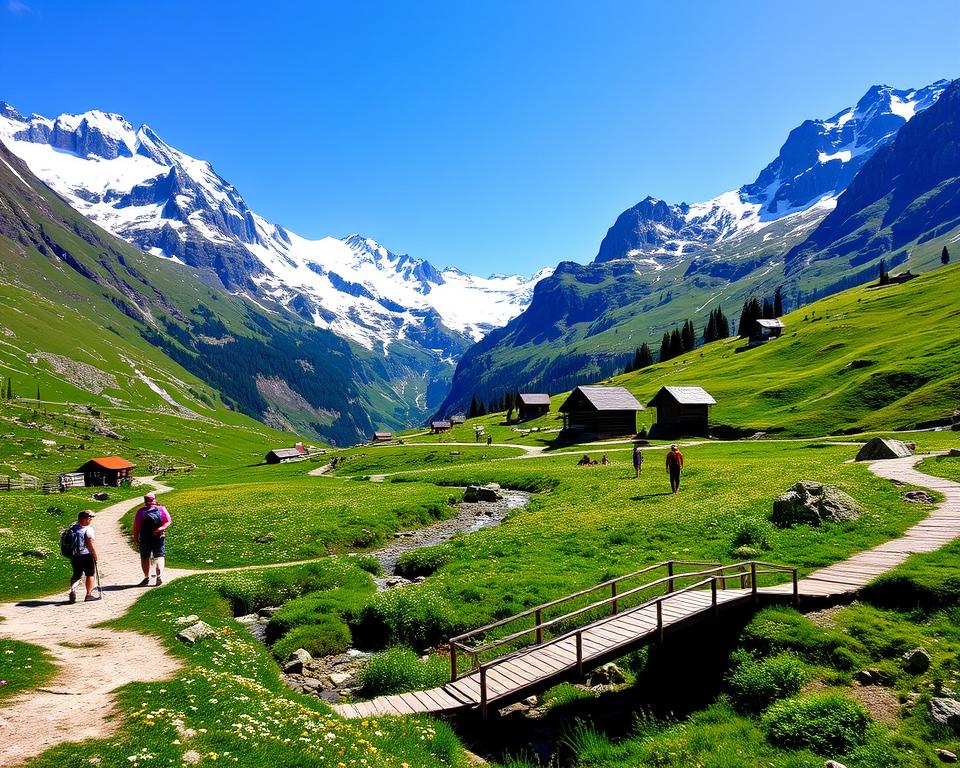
84 560
637 461
150 535
674 467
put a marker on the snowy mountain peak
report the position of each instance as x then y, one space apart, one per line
133 183
815 164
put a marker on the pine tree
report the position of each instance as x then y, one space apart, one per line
9 388
38 391
723 325
676 343
665 347
884 275
944 256
688 336
745 326
474 407
710 332
778 302
644 356
767 309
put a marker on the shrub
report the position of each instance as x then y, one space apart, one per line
422 561
755 685
327 636
412 616
399 669
367 563
779 629
752 533
825 723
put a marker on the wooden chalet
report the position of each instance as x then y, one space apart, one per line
529 406
283 455
764 330
682 411
458 419
381 437
107 470
440 426
600 412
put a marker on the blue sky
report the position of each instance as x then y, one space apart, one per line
491 136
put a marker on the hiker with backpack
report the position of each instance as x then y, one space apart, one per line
76 542
150 535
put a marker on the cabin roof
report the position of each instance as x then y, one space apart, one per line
534 399
112 462
605 399
685 396
287 453
763 323
440 424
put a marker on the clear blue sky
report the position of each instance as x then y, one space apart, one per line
492 136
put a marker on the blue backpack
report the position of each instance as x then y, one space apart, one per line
151 521
72 541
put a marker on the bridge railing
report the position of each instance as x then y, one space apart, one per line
744 575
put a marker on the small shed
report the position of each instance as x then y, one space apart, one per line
382 437
529 406
283 455
682 411
440 426
764 330
107 470
600 412
458 419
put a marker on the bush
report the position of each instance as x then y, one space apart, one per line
777 629
752 533
367 563
399 669
422 561
327 636
412 616
755 685
827 724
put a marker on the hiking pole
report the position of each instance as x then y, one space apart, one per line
96 566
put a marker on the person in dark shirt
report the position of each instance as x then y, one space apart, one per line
674 467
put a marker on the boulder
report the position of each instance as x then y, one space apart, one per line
296 661
339 679
883 448
195 632
945 712
488 492
918 497
916 661
812 503
608 674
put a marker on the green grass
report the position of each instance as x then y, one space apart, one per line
389 458
396 670
23 667
228 700
942 466
279 514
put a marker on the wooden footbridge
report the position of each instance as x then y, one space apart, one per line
524 654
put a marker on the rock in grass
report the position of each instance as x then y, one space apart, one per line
812 503
833 764
195 632
191 619
488 492
946 756
882 448
918 497
945 712
916 661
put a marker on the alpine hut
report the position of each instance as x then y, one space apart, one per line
764 330
283 455
440 426
600 412
106 470
529 406
682 411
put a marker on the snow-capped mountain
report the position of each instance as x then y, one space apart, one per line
137 186
816 163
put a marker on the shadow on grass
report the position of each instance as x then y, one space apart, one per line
651 495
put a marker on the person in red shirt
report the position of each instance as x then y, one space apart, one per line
674 467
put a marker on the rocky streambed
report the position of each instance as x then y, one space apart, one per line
333 677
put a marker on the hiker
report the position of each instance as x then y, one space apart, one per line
637 461
83 556
604 461
150 535
674 466
584 462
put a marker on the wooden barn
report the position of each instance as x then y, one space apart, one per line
283 455
440 426
600 412
529 406
381 437
682 411
107 470
458 419
764 330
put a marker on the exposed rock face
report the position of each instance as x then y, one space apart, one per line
812 503
881 448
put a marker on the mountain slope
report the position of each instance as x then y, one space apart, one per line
660 264
120 312
178 208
